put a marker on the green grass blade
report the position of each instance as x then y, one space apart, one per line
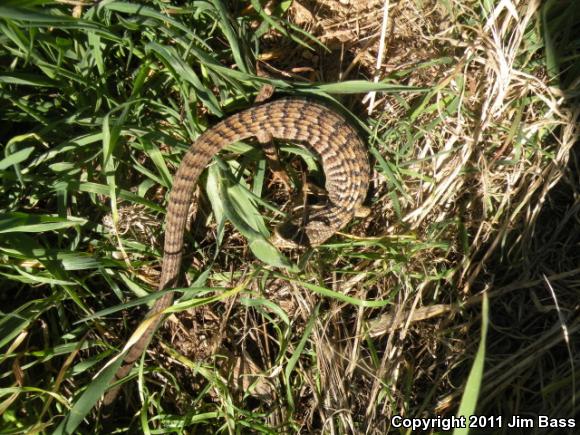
474 380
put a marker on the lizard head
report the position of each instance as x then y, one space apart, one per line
312 231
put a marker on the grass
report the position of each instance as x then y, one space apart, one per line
474 195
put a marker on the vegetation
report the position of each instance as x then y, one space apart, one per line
474 199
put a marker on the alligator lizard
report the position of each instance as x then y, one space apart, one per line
344 161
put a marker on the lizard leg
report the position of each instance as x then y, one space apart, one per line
267 141
271 154
362 211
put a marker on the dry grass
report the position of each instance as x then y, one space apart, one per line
472 165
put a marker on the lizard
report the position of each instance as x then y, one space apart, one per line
344 161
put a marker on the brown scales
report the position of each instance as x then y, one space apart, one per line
344 161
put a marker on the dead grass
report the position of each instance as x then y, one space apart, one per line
472 166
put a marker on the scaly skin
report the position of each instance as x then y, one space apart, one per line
344 161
